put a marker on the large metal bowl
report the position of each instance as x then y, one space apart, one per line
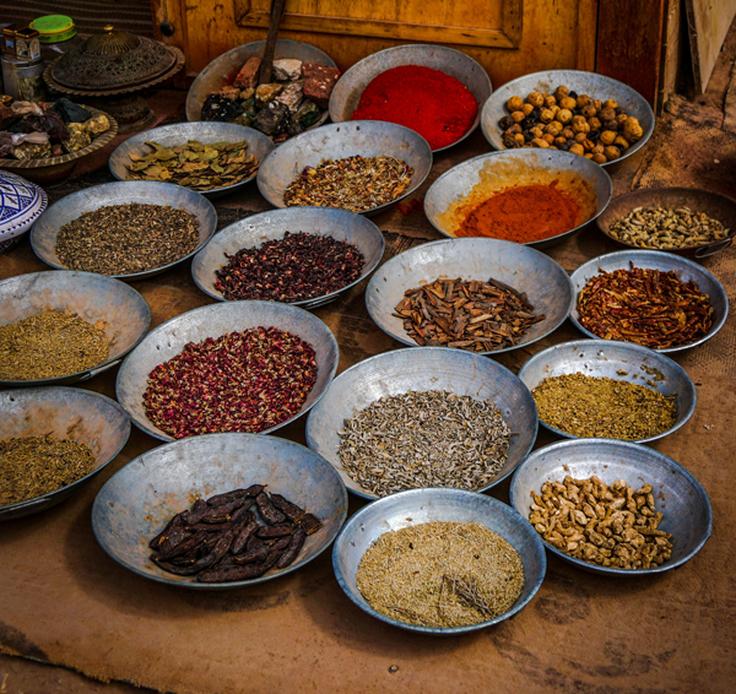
678 495
119 309
136 502
717 206
64 413
170 338
368 138
622 361
178 134
429 368
419 506
225 67
267 226
351 85
459 181
71 207
591 83
658 260
527 270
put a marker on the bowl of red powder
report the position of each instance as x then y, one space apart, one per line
528 196
434 90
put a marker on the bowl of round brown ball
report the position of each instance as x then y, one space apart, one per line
689 221
129 230
439 561
305 256
607 389
432 417
613 507
53 440
361 166
581 112
252 366
64 327
482 295
656 299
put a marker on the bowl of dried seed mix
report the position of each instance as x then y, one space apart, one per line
481 295
238 366
613 507
689 221
608 389
655 299
432 417
209 157
129 230
361 166
63 327
305 256
52 440
439 561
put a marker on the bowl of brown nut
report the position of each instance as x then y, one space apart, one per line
581 112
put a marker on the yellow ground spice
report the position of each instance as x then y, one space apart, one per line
441 574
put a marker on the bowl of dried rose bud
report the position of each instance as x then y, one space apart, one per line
242 366
305 256
613 507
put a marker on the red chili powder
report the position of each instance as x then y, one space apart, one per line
437 106
523 214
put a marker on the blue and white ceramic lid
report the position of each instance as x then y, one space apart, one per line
21 204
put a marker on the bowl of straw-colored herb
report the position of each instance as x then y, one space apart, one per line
439 561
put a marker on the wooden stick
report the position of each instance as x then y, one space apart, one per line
277 13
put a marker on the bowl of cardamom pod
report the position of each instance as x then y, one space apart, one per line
693 222
608 389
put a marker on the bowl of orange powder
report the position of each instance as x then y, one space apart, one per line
533 197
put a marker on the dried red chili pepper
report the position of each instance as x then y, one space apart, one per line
297 267
645 306
241 381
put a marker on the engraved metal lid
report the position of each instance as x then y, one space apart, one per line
112 60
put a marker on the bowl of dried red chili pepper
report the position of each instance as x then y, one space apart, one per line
251 366
220 511
534 197
435 90
305 256
655 299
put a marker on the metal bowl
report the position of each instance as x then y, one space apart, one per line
71 207
658 260
170 338
679 496
368 138
82 415
591 83
267 226
419 506
351 85
459 181
121 311
717 206
428 368
178 134
136 502
226 66
527 270
622 361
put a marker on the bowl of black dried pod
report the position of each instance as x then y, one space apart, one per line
220 511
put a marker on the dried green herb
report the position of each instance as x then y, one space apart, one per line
424 439
125 239
441 574
50 344
35 465
354 183
589 406
197 165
